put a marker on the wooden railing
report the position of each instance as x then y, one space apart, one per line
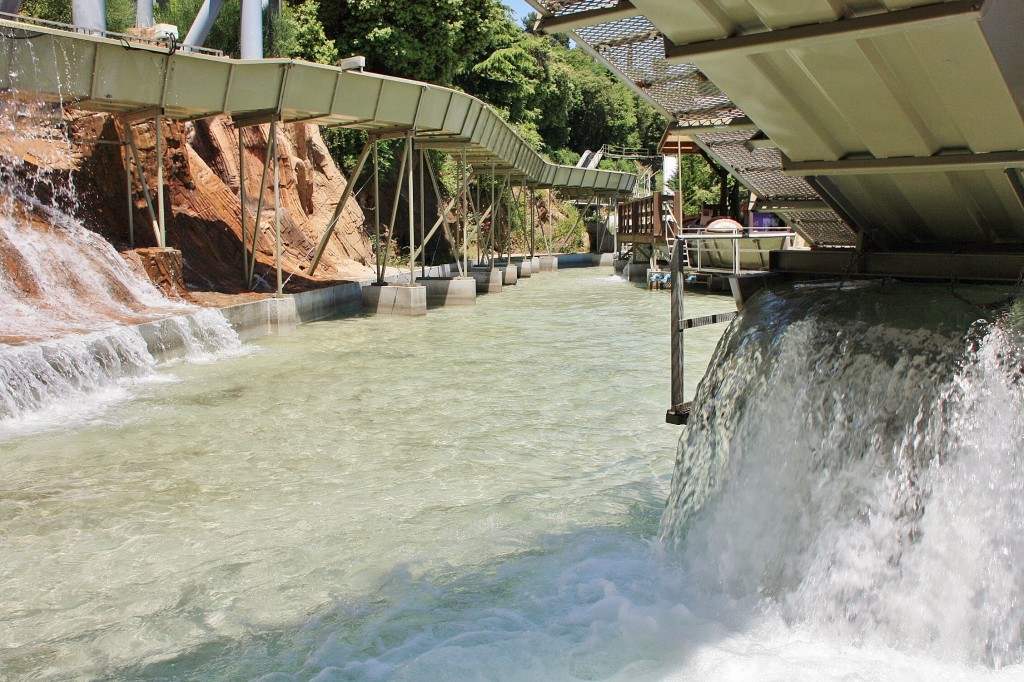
645 217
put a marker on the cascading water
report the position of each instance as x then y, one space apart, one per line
67 298
854 465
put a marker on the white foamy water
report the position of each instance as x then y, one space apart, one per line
67 279
67 286
854 470
476 495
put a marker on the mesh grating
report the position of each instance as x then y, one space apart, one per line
636 48
821 228
725 136
736 155
772 184
561 9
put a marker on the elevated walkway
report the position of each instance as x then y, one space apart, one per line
117 76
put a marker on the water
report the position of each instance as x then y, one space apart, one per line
372 496
479 495
853 475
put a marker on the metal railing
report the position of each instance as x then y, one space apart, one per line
170 44
648 217
705 256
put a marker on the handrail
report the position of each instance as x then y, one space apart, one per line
99 74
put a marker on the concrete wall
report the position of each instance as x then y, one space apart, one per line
281 315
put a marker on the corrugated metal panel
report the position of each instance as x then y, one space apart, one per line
892 81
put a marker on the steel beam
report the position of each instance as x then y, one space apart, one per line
89 14
940 163
964 267
340 206
783 206
563 23
201 25
857 28
252 29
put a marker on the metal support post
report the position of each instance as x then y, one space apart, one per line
130 139
376 210
340 207
412 208
277 212
128 191
443 219
162 238
144 13
402 167
551 229
242 200
203 23
465 212
423 213
271 152
533 222
679 412
252 29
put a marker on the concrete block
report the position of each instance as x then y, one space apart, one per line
402 300
548 263
602 259
488 281
535 264
620 265
574 260
636 272
446 291
249 320
524 268
509 274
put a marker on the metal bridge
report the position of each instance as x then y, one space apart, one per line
142 80
888 133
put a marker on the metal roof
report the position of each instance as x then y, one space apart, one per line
102 74
904 116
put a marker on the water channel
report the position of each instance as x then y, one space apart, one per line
481 495
367 498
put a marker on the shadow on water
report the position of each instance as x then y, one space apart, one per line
597 603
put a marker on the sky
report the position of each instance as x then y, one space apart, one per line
519 7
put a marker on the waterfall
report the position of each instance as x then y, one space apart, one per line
82 319
855 463
75 319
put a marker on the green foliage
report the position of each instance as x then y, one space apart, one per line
51 10
700 184
223 36
298 34
430 40
568 234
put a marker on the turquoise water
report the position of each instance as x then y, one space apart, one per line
472 495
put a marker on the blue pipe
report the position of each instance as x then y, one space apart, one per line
203 23
144 13
252 29
91 14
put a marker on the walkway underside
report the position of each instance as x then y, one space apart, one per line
892 125
102 74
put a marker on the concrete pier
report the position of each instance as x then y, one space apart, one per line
535 264
390 299
446 291
509 274
636 272
525 268
548 263
488 280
